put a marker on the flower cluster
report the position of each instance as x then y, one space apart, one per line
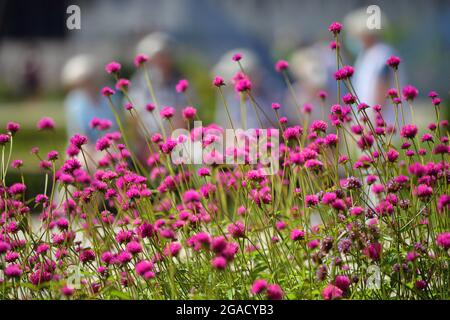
158 230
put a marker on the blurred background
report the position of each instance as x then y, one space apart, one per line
35 45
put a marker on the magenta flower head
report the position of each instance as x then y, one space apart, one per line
17 163
258 286
102 144
13 271
122 84
409 92
113 67
322 94
276 106
150 107
144 268
182 86
297 234
274 292
443 240
335 28
342 282
218 81
219 263
167 112
409 131
243 85
107 91
17 188
46 123
67 291
236 57
393 62
12 127
281 65
237 229
331 292
392 155
140 59
344 73
4 139
191 196
189 112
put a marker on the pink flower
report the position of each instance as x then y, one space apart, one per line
4 139
173 249
191 196
335 27
140 59
274 292
392 155
189 112
12 127
423 191
107 91
276 106
409 92
331 292
113 67
102 144
297 234
243 85
46 123
443 240
219 263
134 247
408 131
344 73
236 57
167 112
258 286
237 229
122 84
342 282
393 62
144 269
373 251
67 291
17 188
218 81
281 65
182 86
13 271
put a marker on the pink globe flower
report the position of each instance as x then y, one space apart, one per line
140 59
113 67
167 112
281 65
393 62
335 27
332 292
443 240
182 86
46 123
218 81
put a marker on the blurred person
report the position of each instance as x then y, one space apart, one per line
263 93
32 73
372 77
164 74
84 101
312 68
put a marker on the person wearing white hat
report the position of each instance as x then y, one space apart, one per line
160 47
372 77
